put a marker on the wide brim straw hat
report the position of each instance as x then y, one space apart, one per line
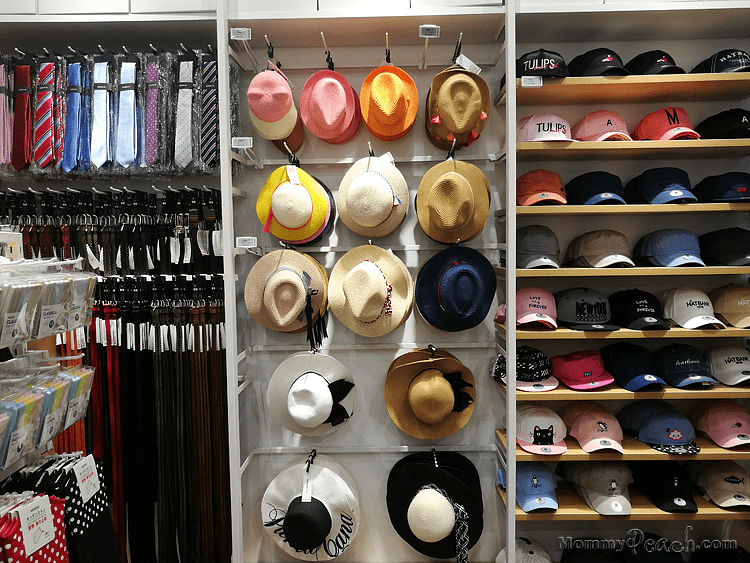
328 106
271 105
389 101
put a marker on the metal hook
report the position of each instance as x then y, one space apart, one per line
432 349
452 150
387 50
154 49
125 50
292 157
457 50
434 457
310 460
329 59
369 148
17 50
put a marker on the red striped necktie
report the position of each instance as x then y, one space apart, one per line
43 137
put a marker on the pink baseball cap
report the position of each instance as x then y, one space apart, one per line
581 370
601 125
543 127
725 422
667 124
593 427
539 430
534 304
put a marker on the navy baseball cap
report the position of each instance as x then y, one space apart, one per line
726 247
730 186
597 62
660 185
638 310
727 60
682 365
669 248
729 124
666 483
631 365
595 187
535 486
653 62
659 425
541 63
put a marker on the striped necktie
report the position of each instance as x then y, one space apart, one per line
126 122
43 137
183 138
60 105
209 115
70 150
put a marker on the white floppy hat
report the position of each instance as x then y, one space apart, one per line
311 394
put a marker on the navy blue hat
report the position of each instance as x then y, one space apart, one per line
659 425
654 62
726 247
595 187
638 310
730 186
669 248
631 365
666 483
728 60
535 486
682 365
455 288
660 185
597 62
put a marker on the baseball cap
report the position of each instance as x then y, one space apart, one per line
535 486
690 308
667 124
732 304
653 62
726 247
582 370
539 186
537 247
593 427
527 551
534 304
637 309
592 188
599 249
631 365
669 248
544 127
725 422
730 124
541 63
659 425
602 485
539 430
730 186
582 308
597 62
666 483
601 125
682 365
725 482
730 364
660 185
726 60
533 370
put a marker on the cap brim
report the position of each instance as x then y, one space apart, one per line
535 502
732 441
592 327
538 318
531 199
615 70
613 136
599 198
679 133
552 138
552 449
728 500
536 261
673 260
702 320
641 381
668 196
610 260
596 444
669 505
734 378
692 378
538 386
649 323
606 505
677 449
601 380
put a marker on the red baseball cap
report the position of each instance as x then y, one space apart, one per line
581 370
540 186
667 124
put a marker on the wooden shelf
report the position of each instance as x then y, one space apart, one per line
619 150
612 393
572 507
624 272
625 334
629 209
636 89
633 450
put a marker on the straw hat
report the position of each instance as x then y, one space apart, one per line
293 206
453 201
318 530
272 109
371 291
329 107
279 288
428 395
373 197
311 394
458 107
388 100
294 140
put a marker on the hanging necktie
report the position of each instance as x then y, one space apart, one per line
100 152
60 105
43 137
126 123
22 118
183 140
6 140
84 138
70 150
152 98
209 115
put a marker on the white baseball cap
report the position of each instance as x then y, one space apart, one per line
725 482
729 364
602 485
527 551
543 127
539 430
690 308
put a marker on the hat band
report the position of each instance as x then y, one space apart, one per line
387 307
461 527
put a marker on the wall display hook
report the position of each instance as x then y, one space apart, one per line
387 50
423 62
292 157
457 50
369 148
329 59
451 151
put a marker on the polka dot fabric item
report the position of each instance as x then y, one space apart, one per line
55 551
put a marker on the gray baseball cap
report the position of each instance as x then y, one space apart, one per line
537 247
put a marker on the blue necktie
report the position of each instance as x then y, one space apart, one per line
70 148
84 135
100 153
126 124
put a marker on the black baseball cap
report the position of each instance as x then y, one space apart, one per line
726 247
730 124
653 62
597 62
665 184
631 365
594 188
541 63
666 483
730 186
637 309
533 370
727 60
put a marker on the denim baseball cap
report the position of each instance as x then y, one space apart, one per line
631 365
669 248
682 365
595 187
730 186
535 486
659 425
660 185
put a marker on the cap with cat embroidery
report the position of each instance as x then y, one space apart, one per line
539 430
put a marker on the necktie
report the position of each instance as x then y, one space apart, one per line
72 119
61 78
6 139
183 141
84 139
209 115
22 118
126 134
152 97
43 138
100 153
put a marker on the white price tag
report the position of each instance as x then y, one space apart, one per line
188 252
246 242
202 239
216 242
306 487
87 477
531 82
17 444
242 142
429 31
174 250
10 329
51 426
37 523
464 62
240 33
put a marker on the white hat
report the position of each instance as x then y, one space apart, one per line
539 430
603 485
729 364
543 127
690 308
527 551
311 394
725 482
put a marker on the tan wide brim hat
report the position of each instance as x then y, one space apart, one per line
453 201
349 292
366 195
402 371
275 290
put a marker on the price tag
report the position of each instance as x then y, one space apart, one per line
17 442
246 242
429 31
464 62
37 523
10 329
87 477
306 487
73 411
531 82
216 242
48 319
51 425
240 34
242 142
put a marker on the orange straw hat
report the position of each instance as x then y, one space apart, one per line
388 100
